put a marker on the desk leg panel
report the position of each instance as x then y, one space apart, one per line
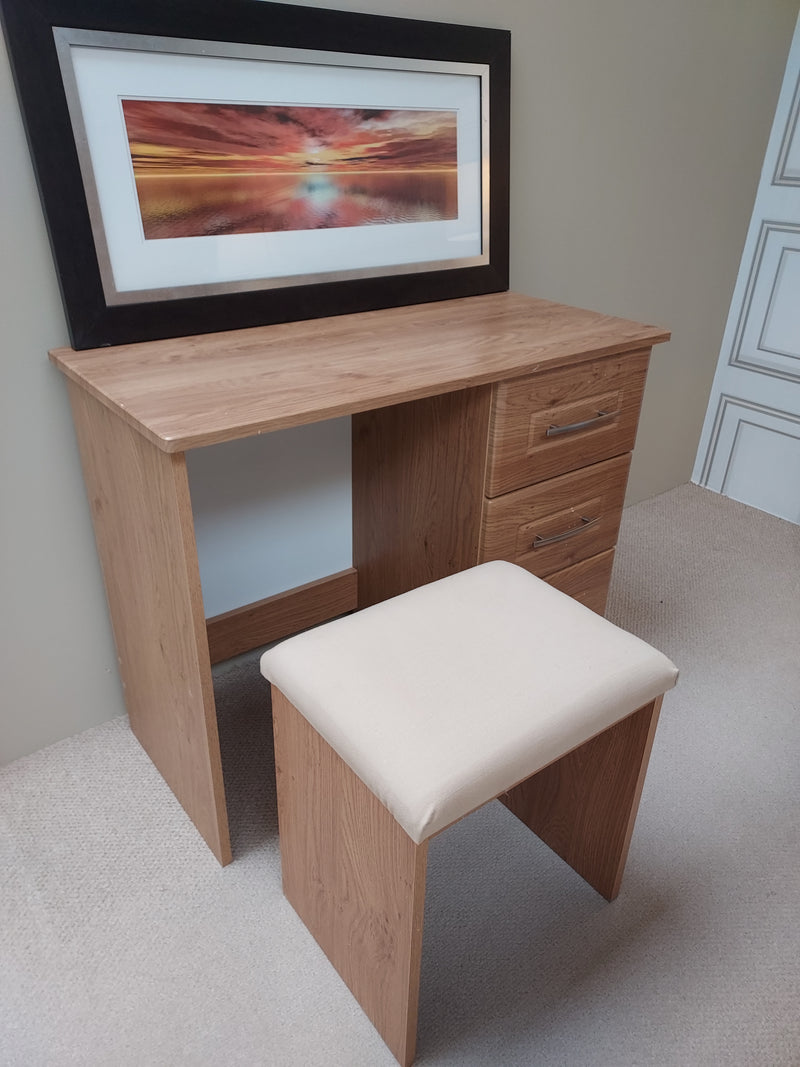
418 471
139 498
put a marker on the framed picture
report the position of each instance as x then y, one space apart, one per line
215 164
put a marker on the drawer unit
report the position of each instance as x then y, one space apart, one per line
557 421
555 524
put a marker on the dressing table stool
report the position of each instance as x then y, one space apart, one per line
396 721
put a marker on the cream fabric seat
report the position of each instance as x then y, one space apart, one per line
444 697
392 723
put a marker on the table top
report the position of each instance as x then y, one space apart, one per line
186 392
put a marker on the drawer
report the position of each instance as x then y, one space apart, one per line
554 524
586 581
546 424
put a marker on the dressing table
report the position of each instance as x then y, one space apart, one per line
487 427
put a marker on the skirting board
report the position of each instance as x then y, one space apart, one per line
278 616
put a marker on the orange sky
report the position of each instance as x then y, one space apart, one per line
172 138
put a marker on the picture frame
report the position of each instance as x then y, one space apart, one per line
213 165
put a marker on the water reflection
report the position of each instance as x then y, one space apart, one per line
193 206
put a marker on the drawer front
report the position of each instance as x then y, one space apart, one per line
547 424
554 524
587 581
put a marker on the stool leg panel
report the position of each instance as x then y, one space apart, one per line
584 804
353 875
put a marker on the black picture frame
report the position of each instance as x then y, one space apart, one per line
93 321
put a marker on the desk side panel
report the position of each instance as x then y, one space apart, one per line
418 471
139 498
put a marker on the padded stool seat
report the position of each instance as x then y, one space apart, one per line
443 697
396 721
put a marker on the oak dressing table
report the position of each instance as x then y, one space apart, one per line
486 427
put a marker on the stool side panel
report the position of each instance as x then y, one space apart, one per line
584 805
353 876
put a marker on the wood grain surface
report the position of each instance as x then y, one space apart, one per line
548 509
417 491
190 391
139 498
243 629
353 875
587 581
584 805
521 453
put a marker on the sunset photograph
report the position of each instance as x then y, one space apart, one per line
214 169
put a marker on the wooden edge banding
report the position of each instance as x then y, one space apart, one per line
650 715
278 616
353 875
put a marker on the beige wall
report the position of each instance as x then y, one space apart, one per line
638 132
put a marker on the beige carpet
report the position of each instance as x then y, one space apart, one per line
123 944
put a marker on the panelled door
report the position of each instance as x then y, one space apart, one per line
750 445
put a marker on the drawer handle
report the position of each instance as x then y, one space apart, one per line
540 542
601 416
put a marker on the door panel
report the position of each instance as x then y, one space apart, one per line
750 445
757 458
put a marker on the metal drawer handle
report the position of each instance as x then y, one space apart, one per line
540 542
601 416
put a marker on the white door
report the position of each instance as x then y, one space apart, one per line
750 445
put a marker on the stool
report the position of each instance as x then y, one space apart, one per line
395 722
